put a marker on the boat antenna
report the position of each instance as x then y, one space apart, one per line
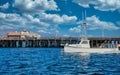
85 15
82 16
84 24
103 31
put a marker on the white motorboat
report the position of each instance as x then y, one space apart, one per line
84 47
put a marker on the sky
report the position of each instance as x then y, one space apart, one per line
61 18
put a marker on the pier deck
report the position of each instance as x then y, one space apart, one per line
51 42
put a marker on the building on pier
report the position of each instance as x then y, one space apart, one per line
14 35
23 35
29 35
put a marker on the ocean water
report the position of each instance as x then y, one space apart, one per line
53 61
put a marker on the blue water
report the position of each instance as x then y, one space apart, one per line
53 61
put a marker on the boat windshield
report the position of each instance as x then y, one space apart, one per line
84 42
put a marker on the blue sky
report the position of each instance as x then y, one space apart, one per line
61 18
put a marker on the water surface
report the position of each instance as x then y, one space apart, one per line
53 61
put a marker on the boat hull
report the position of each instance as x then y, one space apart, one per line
90 50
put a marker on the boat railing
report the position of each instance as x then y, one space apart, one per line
109 46
105 46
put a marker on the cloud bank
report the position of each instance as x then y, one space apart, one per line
33 6
5 6
103 5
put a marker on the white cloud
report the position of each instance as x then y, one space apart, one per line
75 29
94 23
57 19
30 20
39 7
35 5
66 35
84 3
10 20
103 5
43 31
15 21
5 6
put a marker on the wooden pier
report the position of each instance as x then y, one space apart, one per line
52 42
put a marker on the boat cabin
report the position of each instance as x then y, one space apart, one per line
84 43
